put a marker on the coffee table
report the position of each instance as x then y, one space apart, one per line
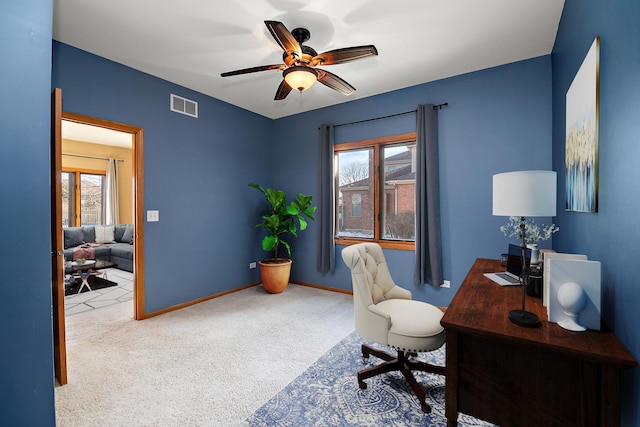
85 271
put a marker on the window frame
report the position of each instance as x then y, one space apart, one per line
77 191
376 144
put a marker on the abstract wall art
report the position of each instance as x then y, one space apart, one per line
581 156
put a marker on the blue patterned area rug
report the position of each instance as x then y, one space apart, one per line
327 394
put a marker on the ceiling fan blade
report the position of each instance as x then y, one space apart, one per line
335 82
253 70
283 90
285 39
338 56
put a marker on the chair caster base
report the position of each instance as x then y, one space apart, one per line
398 363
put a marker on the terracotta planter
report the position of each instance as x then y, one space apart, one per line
275 274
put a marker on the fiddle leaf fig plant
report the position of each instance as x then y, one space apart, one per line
282 218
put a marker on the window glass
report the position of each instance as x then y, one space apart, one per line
91 199
68 199
356 205
398 217
355 193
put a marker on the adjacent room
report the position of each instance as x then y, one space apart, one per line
404 117
97 192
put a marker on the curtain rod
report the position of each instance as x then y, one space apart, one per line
90 157
439 107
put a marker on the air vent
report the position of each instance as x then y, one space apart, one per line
184 106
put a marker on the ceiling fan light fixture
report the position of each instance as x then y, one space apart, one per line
299 77
300 60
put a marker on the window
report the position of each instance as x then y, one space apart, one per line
82 198
356 205
68 199
373 205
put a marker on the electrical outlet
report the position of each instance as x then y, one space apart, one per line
252 265
446 284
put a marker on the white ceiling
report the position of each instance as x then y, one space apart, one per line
95 134
191 42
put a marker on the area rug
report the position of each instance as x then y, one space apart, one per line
95 283
327 394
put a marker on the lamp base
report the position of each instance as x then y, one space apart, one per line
524 318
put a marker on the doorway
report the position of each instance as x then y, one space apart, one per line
137 197
137 192
97 171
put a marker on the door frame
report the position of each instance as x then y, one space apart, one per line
138 198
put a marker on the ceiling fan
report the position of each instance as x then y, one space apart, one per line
300 61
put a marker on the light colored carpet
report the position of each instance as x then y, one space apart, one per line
211 364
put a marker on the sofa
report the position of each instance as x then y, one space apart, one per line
112 243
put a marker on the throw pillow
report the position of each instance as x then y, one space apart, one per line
73 236
127 237
89 234
119 231
105 234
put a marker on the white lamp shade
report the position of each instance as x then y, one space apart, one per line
301 78
525 193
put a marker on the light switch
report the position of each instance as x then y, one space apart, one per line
153 216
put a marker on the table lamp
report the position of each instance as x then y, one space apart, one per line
524 194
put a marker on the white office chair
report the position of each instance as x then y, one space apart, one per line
386 314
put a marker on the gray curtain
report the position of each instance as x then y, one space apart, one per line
111 193
428 268
326 212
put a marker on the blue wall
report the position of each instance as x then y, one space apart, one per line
497 120
610 236
26 378
195 173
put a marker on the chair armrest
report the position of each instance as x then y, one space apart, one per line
398 293
372 323
379 313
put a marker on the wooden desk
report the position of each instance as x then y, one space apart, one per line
515 376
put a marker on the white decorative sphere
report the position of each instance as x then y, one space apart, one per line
572 297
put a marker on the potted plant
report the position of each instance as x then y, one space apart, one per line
279 219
